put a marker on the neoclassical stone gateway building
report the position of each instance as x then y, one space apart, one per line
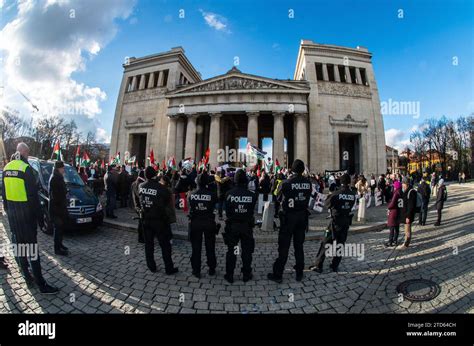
328 114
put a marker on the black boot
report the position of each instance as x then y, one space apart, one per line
275 278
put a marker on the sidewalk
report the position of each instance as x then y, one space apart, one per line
376 218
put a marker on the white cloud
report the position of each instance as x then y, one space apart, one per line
46 44
397 138
102 136
215 21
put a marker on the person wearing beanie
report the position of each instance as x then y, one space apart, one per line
425 191
393 218
58 204
293 196
239 208
202 222
441 197
153 198
340 205
136 202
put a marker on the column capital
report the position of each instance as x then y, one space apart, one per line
215 114
301 115
191 115
253 114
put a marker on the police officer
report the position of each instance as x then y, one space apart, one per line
239 207
136 202
21 202
153 199
340 204
293 196
202 221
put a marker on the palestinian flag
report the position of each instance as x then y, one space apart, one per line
268 164
78 155
57 151
116 159
277 166
152 157
206 156
102 165
86 161
172 163
255 151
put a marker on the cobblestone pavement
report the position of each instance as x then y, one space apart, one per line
106 273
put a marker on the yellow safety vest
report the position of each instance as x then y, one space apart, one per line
275 192
14 181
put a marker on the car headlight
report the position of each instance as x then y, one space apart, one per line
99 207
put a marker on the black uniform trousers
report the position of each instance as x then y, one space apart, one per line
340 236
292 225
141 236
235 232
198 228
157 228
23 231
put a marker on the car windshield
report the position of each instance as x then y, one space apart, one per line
70 174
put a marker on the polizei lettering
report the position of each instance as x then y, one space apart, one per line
347 197
146 191
37 329
300 186
201 197
241 199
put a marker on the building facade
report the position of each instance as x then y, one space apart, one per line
328 115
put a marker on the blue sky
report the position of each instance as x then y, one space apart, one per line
412 56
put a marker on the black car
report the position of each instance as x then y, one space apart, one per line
84 208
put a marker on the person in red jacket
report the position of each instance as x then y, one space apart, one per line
393 219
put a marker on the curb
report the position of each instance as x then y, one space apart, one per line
270 237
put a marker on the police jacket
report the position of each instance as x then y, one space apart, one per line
341 203
240 204
154 198
294 194
202 203
57 197
20 190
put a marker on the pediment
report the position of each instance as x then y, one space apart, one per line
235 80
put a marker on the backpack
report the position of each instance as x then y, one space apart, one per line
419 200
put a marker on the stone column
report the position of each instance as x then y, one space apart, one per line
160 78
214 137
301 138
358 77
348 74
325 72
190 144
171 137
337 77
151 81
278 137
199 139
142 82
179 139
252 128
134 83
